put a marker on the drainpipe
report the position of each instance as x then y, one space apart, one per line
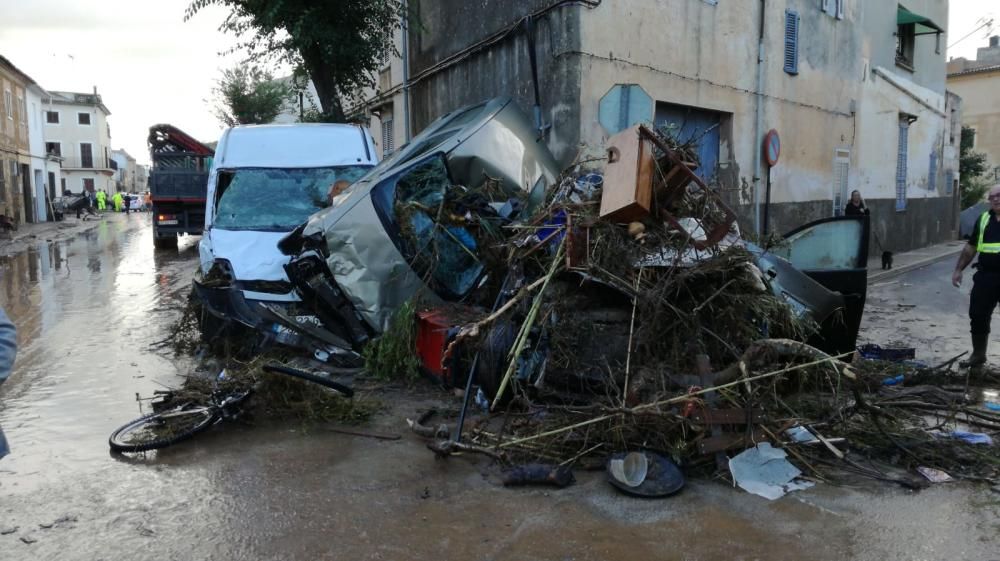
758 125
540 126
406 70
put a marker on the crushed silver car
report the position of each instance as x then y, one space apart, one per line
369 252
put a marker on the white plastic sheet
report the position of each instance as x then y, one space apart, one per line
765 471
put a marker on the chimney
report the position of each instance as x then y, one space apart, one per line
995 41
95 90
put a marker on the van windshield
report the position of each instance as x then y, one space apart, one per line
278 200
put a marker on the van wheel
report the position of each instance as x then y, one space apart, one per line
169 242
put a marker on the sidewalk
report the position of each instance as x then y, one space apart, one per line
910 260
17 241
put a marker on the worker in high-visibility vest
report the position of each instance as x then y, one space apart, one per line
985 241
102 200
117 199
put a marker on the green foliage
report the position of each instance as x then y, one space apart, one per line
393 356
971 167
249 96
339 44
974 190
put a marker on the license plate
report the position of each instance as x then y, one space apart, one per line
168 222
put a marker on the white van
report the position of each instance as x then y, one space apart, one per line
265 181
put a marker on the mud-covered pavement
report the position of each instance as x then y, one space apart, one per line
89 311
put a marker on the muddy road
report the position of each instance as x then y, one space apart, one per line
90 308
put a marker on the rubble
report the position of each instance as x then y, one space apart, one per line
615 314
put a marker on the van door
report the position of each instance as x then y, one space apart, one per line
834 252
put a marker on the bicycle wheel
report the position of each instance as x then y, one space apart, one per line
346 391
159 430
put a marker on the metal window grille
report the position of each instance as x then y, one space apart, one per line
388 142
52 117
932 173
841 170
83 118
901 157
791 42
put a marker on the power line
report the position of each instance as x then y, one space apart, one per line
987 23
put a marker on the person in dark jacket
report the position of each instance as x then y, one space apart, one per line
985 241
855 206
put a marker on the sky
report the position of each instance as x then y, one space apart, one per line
150 66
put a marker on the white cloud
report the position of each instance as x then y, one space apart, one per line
148 64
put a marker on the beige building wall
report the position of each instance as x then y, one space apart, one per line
980 92
812 111
838 117
15 158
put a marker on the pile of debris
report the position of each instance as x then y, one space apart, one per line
612 317
642 323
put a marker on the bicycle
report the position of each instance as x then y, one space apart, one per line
171 423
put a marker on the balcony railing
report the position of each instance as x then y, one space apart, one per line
86 163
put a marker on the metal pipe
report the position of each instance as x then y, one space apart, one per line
758 124
406 70
529 28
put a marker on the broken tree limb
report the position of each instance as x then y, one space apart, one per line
781 348
522 336
472 330
671 401
420 427
445 448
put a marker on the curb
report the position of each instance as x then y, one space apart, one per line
892 273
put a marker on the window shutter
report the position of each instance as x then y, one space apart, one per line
791 42
388 143
841 170
949 179
901 156
840 10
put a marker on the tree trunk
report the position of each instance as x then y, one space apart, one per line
322 77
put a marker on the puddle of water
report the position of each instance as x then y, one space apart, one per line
85 309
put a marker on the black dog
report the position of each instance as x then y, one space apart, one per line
886 260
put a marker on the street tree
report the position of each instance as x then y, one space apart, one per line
971 168
249 96
338 44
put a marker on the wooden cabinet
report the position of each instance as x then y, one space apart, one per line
628 177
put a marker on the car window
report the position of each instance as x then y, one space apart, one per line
828 245
442 252
278 200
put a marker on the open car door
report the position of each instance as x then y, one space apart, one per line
834 253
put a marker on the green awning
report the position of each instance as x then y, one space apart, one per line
922 25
